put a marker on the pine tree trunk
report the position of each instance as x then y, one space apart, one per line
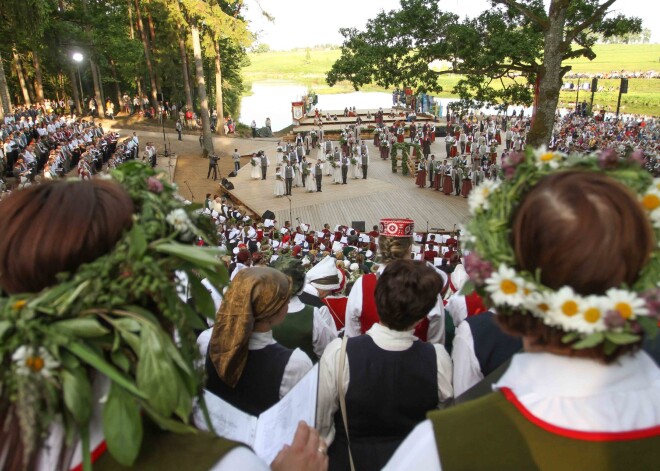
550 75
5 100
100 78
97 90
113 69
201 90
218 90
38 79
184 70
147 55
74 87
21 78
139 90
130 19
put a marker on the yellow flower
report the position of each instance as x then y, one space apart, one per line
569 308
651 201
18 305
592 315
547 157
628 304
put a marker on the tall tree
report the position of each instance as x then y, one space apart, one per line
38 78
18 67
505 54
153 97
207 137
4 90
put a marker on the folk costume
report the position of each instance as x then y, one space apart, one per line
361 312
421 174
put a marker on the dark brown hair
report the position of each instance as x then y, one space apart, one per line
579 229
394 248
405 292
56 227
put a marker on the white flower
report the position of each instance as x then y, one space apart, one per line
593 315
538 303
565 307
179 219
651 203
506 287
28 361
479 195
628 304
543 157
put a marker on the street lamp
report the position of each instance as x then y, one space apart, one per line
78 58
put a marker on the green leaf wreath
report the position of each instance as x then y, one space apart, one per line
107 318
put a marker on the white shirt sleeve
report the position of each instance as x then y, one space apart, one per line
436 332
324 330
240 458
328 395
417 451
353 326
297 367
445 389
457 308
467 371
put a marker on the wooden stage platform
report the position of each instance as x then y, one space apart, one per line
383 194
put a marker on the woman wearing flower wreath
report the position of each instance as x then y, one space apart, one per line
571 265
255 173
279 182
91 375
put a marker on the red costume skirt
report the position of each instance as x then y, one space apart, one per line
400 138
446 185
498 138
421 179
437 183
468 147
467 187
453 151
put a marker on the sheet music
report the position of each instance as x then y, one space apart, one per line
228 421
299 238
277 426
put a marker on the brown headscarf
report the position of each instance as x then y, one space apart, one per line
255 294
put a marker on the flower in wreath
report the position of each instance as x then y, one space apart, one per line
543 156
564 306
479 196
651 203
593 315
506 287
30 360
626 303
179 219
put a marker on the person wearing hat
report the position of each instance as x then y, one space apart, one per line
582 394
394 243
304 326
320 281
388 377
336 303
245 365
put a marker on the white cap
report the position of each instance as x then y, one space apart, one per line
324 275
459 277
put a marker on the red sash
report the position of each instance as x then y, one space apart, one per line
474 304
422 329
337 308
369 312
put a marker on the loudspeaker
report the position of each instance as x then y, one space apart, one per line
232 174
268 214
624 85
358 226
594 84
227 184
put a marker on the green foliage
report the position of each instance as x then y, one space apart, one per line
499 52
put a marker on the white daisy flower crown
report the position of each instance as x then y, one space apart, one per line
618 317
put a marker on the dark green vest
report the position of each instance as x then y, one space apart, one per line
297 331
490 433
167 451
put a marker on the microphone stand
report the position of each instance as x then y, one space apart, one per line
290 211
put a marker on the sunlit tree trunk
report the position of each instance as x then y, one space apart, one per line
113 70
220 128
207 143
97 89
38 79
153 95
4 90
21 78
184 69
74 88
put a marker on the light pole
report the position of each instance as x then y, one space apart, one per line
78 58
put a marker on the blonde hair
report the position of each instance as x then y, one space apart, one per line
394 248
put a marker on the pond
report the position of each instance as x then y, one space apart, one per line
273 100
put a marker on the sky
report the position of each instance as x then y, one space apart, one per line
307 23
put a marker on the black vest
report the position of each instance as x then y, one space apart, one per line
259 386
492 347
389 394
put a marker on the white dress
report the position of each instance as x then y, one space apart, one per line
355 168
328 168
337 174
310 183
279 184
297 178
256 169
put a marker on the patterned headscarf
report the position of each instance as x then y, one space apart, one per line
255 294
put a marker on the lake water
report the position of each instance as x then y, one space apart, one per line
273 100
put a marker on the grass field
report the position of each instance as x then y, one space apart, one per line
643 96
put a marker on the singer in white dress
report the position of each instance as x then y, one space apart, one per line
279 183
256 169
297 179
337 174
310 183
